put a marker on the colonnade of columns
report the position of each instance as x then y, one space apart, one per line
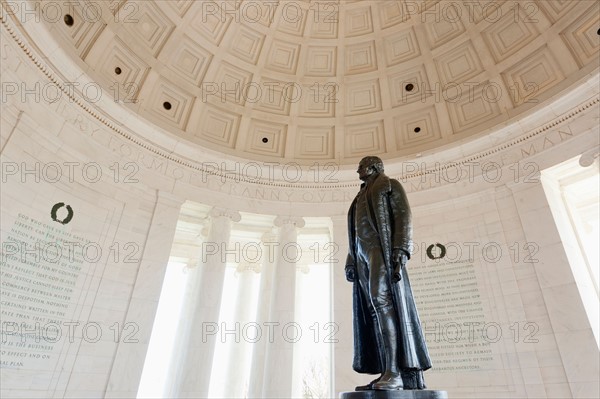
271 362
267 368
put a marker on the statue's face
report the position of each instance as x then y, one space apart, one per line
365 169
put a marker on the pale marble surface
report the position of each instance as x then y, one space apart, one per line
563 363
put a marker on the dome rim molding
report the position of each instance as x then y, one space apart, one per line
570 102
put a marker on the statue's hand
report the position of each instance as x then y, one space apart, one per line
350 273
399 259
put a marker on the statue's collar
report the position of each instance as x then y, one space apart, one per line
369 180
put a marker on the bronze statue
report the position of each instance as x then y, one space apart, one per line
387 332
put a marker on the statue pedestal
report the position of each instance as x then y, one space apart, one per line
407 394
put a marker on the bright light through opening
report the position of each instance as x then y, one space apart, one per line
313 351
164 332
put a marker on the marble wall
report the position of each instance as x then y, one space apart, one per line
78 323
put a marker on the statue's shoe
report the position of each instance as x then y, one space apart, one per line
369 386
389 382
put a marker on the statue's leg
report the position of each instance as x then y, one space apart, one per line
377 334
413 379
382 300
363 280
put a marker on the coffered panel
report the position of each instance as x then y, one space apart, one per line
409 85
360 58
83 32
152 27
554 9
119 65
247 44
211 22
314 142
292 19
459 64
582 37
190 60
358 21
217 125
474 106
266 138
319 100
417 127
168 103
231 83
324 18
509 34
321 61
401 46
530 78
283 57
447 25
391 13
363 97
274 97
364 139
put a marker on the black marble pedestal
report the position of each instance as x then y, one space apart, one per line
407 394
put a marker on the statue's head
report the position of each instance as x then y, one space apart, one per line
368 166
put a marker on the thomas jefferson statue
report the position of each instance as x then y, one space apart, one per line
387 332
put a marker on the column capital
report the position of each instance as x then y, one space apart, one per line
298 222
246 266
228 213
589 157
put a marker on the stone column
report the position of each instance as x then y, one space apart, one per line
344 377
257 370
279 354
127 368
241 349
205 322
184 328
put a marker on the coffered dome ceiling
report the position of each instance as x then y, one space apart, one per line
331 80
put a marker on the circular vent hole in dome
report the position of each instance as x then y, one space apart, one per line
409 87
167 105
118 70
69 20
417 129
265 140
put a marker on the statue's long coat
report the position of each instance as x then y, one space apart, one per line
390 215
